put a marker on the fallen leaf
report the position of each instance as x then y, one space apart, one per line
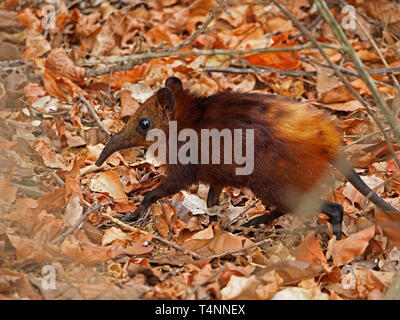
294 293
344 251
194 204
278 60
73 211
390 223
348 106
294 271
113 234
351 193
8 192
310 251
110 183
240 288
373 279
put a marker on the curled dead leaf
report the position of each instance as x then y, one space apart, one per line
109 182
113 234
60 65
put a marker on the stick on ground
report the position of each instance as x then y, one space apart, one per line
94 114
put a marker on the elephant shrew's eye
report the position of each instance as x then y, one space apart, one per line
144 124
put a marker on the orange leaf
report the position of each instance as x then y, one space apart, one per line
390 223
161 225
109 182
310 251
117 79
141 247
61 87
28 19
123 206
60 65
8 193
278 60
344 251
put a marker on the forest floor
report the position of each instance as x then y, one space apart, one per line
61 236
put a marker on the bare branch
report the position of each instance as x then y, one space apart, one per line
200 30
211 276
337 71
155 237
82 218
94 114
296 73
349 50
140 57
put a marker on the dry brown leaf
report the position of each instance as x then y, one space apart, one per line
373 279
348 106
329 88
13 281
170 215
73 211
294 293
128 104
79 249
310 251
390 223
355 196
142 246
294 271
26 17
112 235
206 242
161 225
8 192
110 183
123 206
240 288
194 204
61 87
30 250
36 45
9 19
344 251
252 287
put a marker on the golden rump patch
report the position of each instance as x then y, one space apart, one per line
297 122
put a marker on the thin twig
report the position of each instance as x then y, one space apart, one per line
376 188
337 71
82 218
236 219
155 237
94 114
58 179
378 51
355 73
126 63
292 73
140 57
349 50
364 137
200 30
198 286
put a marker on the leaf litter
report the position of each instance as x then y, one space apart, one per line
49 144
